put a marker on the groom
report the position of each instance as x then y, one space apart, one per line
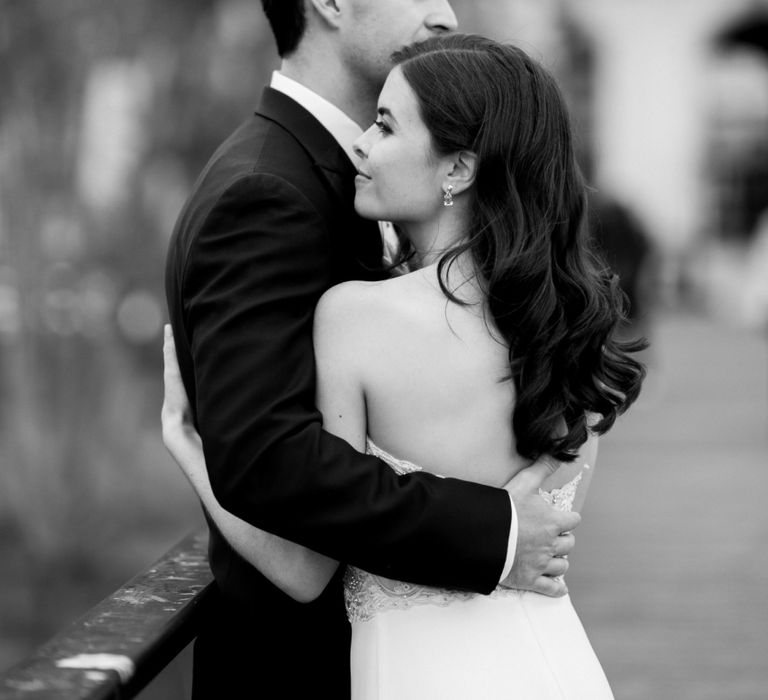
269 227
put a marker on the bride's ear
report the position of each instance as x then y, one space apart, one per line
463 168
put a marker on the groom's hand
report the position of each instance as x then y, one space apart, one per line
544 536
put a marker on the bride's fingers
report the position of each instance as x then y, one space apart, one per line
175 396
170 360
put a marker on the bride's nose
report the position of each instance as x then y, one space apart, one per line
359 148
362 145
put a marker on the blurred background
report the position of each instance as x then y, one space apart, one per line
109 109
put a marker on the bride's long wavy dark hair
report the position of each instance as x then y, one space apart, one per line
555 303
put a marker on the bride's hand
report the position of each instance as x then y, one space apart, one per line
179 434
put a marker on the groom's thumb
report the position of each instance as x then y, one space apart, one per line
531 478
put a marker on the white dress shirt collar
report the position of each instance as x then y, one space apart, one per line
339 125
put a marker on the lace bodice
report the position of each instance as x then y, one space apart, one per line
366 594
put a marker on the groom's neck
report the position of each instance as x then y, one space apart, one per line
322 73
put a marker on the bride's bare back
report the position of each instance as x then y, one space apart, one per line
430 375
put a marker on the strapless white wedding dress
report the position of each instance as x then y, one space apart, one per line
414 642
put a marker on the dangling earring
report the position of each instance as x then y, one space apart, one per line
447 196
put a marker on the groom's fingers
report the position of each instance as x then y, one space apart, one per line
564 544
531 478
566 520
557 566
552 587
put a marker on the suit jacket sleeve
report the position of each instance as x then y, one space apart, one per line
251 282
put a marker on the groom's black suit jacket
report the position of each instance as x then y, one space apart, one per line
269 227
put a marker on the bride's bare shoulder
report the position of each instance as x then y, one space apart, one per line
362 312
347 297
359 302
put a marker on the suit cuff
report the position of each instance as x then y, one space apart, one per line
512 546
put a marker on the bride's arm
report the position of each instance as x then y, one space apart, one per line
300 572
340 358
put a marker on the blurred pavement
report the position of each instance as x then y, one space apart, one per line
670 573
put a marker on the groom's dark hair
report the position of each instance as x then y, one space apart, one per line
288 21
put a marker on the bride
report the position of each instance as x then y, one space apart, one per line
496 348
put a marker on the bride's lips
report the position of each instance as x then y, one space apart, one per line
362 176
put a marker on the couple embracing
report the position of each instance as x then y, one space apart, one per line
391 464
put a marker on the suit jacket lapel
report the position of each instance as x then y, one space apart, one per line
322 148
332 165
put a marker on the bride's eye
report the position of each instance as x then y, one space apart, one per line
381 126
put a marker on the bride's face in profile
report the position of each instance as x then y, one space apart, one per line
400 176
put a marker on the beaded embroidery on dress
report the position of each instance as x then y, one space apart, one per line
366 594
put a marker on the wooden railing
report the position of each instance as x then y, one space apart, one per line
118 647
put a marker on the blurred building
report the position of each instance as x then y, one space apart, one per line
671 102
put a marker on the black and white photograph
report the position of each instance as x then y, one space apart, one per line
383 349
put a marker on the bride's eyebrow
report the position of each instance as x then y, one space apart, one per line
384 112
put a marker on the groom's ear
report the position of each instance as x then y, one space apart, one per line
463 169
328 10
